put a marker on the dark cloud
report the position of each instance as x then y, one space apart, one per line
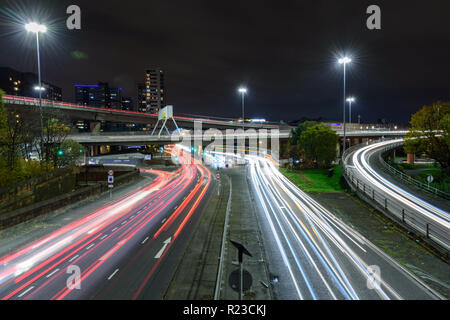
284 51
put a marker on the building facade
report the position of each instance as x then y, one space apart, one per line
152 93
24 84
98 95
128 104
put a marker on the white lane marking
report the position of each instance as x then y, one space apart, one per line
145 240
73 258
123 223
102 238
52 273
26 291
113 274
160 253
164 220
114 229
176 207
93 244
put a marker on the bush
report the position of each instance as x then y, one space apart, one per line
23 171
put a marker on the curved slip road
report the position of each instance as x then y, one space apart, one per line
420 212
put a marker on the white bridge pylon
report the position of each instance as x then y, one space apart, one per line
163 115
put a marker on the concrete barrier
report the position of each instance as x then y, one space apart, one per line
29 212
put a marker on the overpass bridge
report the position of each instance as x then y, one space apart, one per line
97 141
143 138
95 114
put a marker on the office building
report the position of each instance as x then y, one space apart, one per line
128 104
24 84
151 93
98 95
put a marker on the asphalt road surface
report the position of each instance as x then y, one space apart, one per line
126 250
425 217
316 256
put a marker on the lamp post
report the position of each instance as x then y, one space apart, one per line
243 92
37 28
350 101
345 61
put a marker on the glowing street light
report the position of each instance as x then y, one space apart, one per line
345 61
350 100
243 91
35 27
38 28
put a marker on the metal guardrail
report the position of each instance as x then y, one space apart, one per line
409 179
419 223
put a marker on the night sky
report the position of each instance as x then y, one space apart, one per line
284 51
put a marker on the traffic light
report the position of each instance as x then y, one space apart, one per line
60 153
81 150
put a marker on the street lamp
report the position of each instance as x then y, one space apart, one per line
243 92
38 28
345 61
350 101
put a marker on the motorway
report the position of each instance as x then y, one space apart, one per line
423 216
316 255
118 249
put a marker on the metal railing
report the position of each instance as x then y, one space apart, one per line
406 178
394 209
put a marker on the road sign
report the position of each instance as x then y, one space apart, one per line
218 176
241 251
110 173
110 179
430 178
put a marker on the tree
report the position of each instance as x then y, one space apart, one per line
55 132
319 142
296 133
68 153
429 133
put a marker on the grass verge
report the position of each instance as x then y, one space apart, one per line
315 180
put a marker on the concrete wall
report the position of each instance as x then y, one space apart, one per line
40 208
38 189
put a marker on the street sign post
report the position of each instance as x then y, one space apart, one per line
241 251
110 182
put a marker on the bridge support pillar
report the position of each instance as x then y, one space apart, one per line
95 126
392 155
93 151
